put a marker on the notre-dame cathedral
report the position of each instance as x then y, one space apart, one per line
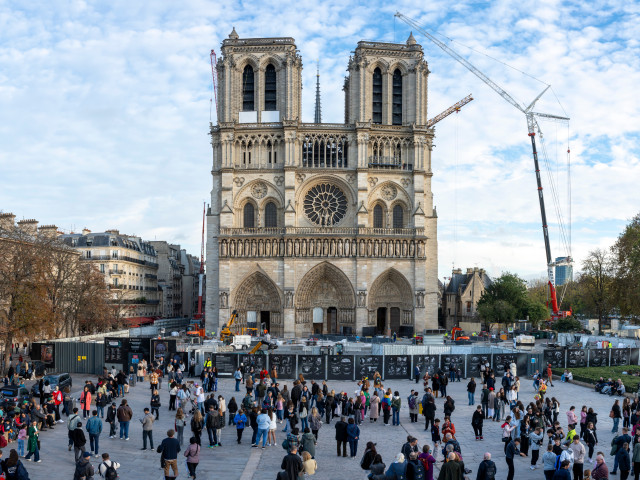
322 227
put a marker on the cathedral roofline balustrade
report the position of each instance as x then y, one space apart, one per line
331 231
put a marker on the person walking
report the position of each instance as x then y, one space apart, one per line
396 403
341 436
471 391
79 441
155 404
179 424
94 429
264 423
416 373
147 429
476 422
112 414
512 451
108 468
193 457
33 447
218 424
240 420
308 442
72 421
487 469
197 424
209 421
84 470
124 414
624 461
169 448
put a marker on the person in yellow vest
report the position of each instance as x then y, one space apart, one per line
207 363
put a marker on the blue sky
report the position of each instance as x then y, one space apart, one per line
105 110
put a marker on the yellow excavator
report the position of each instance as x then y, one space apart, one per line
263 343
226 334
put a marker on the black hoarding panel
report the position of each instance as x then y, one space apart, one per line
635 356
257 361
522 363
139 346
426 363
599 357
619 356
502 361
47 354
285 365
162 349
447 360
553 357
225 363
367 365
312 366
473 364
397 366
576 358
340 367
116 350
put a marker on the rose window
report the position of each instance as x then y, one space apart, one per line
325 204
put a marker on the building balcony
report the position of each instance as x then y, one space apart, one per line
389 163
150 264
323 231
117 287
151 276
116 272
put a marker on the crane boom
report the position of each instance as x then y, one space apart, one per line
497 88
453 108
532 126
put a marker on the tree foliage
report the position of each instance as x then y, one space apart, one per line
596 281
568 324
626 253
507 300
47 291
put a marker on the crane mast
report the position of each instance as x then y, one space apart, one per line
532 126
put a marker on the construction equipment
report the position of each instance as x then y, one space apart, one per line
263 343
458 336
197 328
453 108
532 126
226 333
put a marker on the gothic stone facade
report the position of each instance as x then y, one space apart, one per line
322 228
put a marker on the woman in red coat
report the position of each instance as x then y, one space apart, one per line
85 402
57 400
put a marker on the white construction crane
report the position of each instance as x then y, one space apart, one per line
532 126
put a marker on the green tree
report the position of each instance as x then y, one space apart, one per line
568 324
507 299
626 253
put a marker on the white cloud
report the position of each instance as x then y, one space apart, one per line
106 109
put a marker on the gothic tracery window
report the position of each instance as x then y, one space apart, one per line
396 105
249 220
377 217
247 89
270 215
325 205
270 88
398 217
377 96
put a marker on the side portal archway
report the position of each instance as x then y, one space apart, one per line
259 305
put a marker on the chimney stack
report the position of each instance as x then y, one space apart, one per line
86 231
457 271
113 231
7 221
469 271
49 231
30 227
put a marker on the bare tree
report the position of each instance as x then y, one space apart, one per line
596 279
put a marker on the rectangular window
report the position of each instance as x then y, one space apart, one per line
88 254
102 268
468 307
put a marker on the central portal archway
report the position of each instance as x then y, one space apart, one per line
325 287
259 305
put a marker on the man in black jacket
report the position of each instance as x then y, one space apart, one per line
111 419
428 410
295 393
341 436
169 448
410 446
292 464
79 441
487 468
512 450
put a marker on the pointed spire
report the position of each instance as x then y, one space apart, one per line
318 113
411 40
234 35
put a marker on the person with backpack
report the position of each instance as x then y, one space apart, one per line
108 468
386 407
412 403
72 421
13 468
487 468
415 468
79 442
428 461
396 403
370 453
84 469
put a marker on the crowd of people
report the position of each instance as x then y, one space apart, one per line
295 416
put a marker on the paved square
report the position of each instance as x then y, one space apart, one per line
232 461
